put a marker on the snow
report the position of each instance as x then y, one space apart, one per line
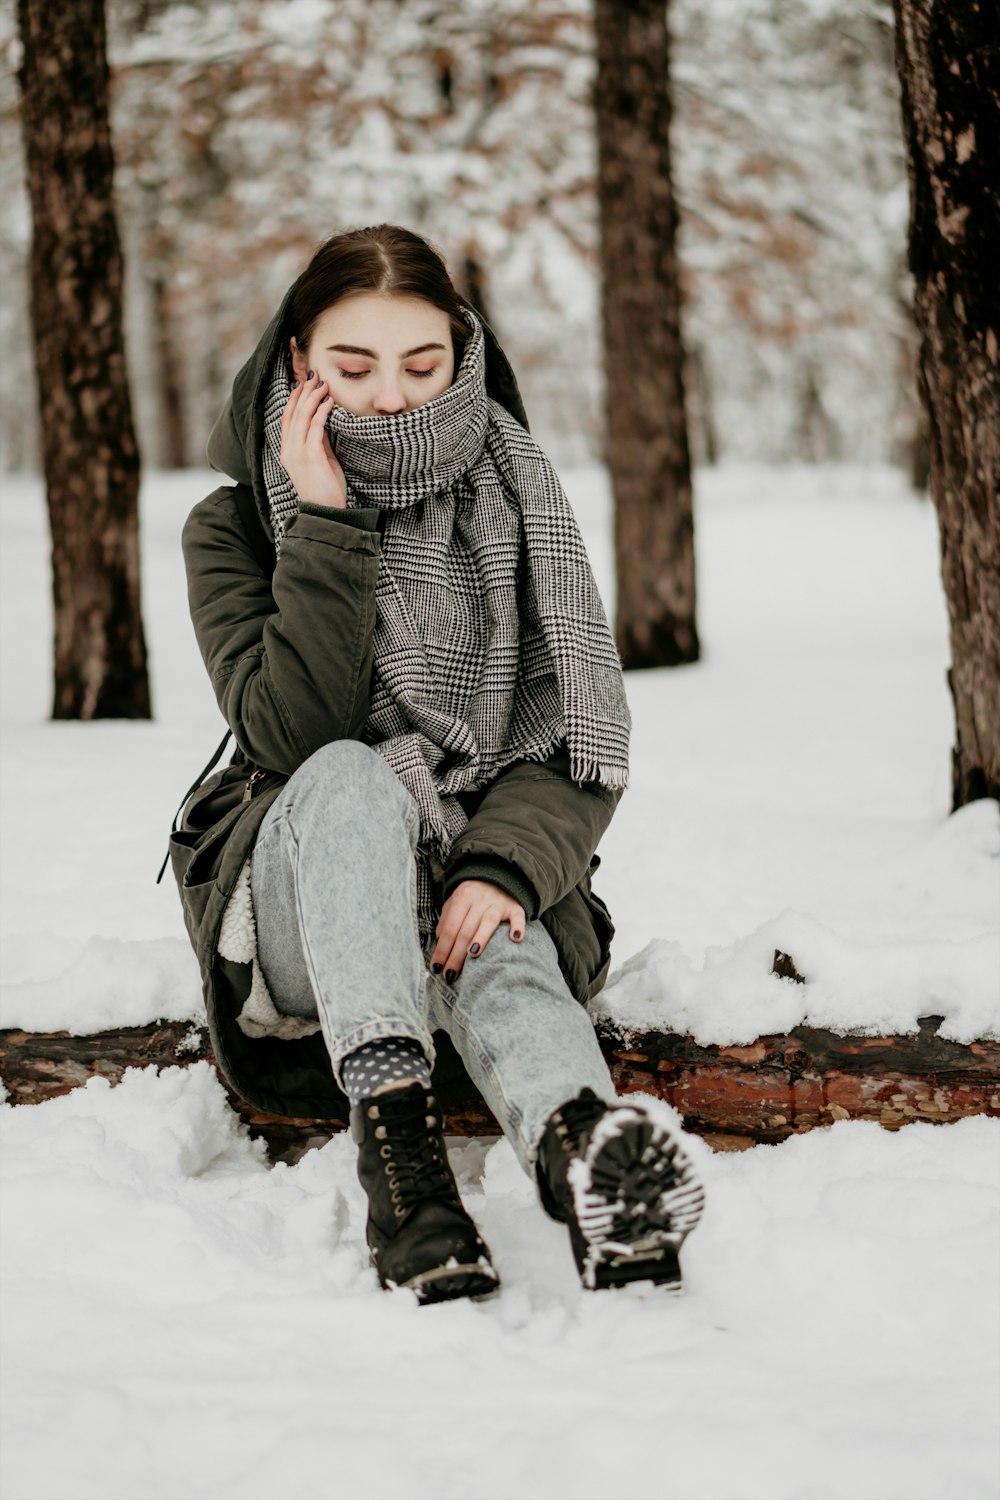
791 791
180 1319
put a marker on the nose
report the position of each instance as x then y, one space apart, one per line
389 398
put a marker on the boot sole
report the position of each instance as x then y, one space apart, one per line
636 1199
446 1283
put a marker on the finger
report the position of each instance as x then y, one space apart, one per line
463 941
291 403
518 923
453 914
316 430
313 394
305 391
300 424
487 927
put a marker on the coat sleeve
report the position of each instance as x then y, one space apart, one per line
539 824
290 657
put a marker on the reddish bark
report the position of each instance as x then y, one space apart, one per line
734 1096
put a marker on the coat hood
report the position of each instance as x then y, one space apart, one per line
236 441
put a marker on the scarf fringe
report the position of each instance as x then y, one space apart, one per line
615 778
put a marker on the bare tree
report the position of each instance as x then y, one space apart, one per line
90 457
949 67
647 435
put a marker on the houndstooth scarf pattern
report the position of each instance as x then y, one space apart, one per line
491 643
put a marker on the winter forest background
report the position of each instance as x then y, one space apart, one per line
189 1307
246 130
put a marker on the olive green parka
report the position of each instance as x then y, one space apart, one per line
288 648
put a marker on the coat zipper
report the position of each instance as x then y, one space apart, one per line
248 789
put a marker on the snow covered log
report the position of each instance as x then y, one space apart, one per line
733 1096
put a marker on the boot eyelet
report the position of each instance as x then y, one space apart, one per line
394 1196
390 1167
385 1151
400 1212
373 1111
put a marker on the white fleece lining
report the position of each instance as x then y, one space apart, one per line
238 943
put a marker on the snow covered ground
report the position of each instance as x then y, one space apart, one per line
180 1320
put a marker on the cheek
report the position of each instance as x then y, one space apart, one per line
439 382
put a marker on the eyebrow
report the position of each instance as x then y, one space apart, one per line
370 353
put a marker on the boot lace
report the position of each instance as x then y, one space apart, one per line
413 1151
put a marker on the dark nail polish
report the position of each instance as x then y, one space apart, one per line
295 385
450 976
516 936
309 374
436 968
474 949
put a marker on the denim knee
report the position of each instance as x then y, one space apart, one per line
353 779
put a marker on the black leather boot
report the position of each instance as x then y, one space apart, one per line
619 1176
419 1234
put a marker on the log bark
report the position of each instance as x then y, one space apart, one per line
90 458
777 1087
949 68
647 434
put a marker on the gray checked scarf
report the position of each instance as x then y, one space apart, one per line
491 643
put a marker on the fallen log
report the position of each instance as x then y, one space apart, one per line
733 1096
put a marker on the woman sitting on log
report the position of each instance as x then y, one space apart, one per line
404 635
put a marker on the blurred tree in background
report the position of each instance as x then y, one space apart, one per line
89 451
647 435
949 64
245 130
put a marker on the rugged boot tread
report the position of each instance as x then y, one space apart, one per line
619 1175
636 1199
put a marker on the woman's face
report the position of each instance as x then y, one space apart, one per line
380 354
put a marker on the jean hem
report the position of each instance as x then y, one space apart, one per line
381 1030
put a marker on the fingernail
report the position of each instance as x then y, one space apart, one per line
320 384
436 968
295 385
309 374
474 949
450 976
516 936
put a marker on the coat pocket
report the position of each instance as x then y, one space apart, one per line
195 856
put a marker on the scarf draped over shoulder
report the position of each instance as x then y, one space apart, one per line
491 644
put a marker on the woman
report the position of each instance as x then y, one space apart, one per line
403 633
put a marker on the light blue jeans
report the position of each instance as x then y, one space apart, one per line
334 892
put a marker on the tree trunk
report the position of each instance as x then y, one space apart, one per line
171 396
90 458
949 68
647 437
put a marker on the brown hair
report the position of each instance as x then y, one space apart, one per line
384 258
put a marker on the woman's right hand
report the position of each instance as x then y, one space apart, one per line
306 455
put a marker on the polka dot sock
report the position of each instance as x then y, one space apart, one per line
368 1067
